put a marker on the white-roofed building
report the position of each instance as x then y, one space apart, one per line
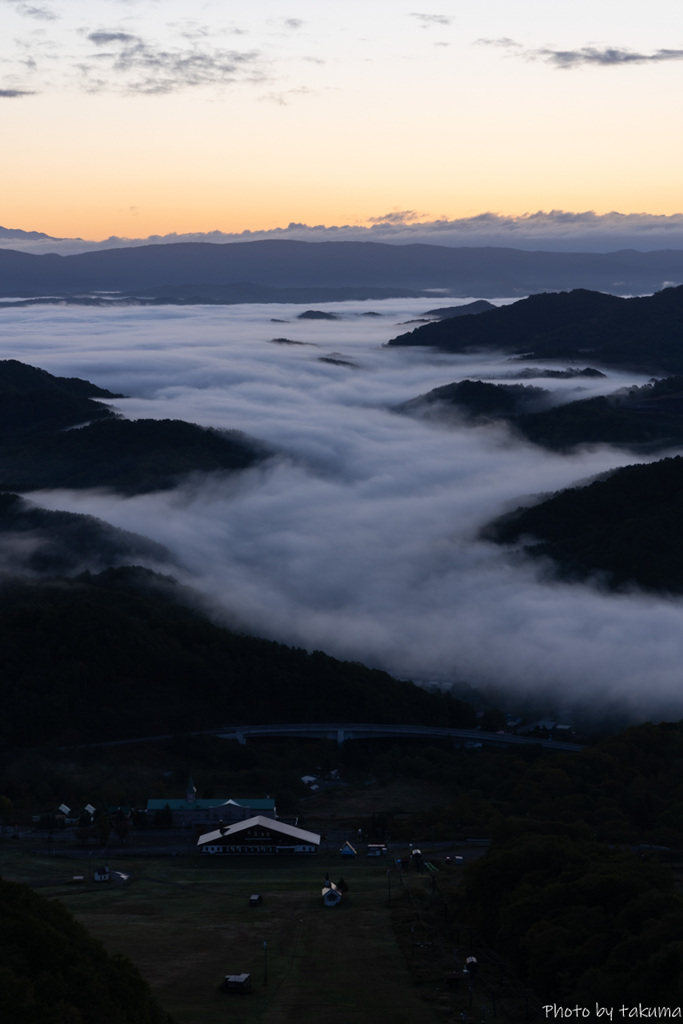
331 894
258 836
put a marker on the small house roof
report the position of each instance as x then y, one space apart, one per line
331 894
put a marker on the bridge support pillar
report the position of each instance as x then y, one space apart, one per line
340 736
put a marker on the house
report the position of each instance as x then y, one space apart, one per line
101 874
331 894
192 812
347 850
258 836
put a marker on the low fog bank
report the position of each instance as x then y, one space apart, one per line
359 536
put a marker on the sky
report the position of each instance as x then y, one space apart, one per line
133 118
359 536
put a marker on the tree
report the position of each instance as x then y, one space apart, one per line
163 818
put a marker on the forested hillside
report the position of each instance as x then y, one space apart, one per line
100 448
38 541
648 418
121 655
625 528
571 892
643 333
53 972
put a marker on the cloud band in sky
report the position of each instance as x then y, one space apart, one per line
554 230
609 56
605 56
125 62
432 20
33 11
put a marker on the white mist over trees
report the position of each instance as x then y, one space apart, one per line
359 536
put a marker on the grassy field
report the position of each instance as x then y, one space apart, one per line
186 922
381 956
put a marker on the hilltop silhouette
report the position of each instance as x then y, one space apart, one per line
644 334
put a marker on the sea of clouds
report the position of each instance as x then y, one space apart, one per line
359 536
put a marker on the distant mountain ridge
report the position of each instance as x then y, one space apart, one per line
18 233
197 270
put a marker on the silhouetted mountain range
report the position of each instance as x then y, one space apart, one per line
638 333
20 234
290 271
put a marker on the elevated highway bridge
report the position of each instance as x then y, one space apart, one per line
359 731
342 731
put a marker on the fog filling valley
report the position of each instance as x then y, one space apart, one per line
358 537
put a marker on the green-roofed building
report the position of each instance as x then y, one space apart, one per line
193 810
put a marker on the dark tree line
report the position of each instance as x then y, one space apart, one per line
52 970
122 654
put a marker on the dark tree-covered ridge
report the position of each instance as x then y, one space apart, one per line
19 378
644 333
625 527
122 654
34 401
477 400
53 433
576 893
648 418
129 456
38 541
